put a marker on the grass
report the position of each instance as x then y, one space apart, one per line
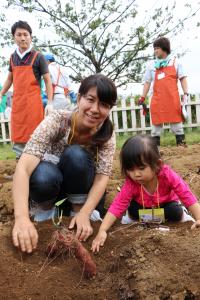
6 152
167 139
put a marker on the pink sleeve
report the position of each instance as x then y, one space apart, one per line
122 200
181 189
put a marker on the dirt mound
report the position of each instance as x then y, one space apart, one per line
6 168
186 161
136 263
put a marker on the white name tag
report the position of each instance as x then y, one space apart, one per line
161 76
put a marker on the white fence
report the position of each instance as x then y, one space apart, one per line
126 117
5 129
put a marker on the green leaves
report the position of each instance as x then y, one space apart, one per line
95 24
91 36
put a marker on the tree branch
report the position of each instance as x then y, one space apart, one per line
90 20
115 20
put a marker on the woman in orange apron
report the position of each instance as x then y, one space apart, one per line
165 104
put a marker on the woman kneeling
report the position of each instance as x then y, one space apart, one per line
69 156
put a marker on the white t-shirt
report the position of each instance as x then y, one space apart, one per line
64 81
150 69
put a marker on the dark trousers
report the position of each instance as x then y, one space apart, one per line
173 210
74 175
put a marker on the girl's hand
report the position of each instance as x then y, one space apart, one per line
196 225
99 241
83 226
25 235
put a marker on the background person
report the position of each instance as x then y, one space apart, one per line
165 106
25 71
61 84
3 102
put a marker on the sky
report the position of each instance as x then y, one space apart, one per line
187 41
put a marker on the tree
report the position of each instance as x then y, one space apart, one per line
103 36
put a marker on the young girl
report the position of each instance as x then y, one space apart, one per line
149 183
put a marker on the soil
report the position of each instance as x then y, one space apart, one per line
135 263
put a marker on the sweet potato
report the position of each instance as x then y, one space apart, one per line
64 240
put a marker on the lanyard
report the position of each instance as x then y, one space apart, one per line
142 196
73 128
72 135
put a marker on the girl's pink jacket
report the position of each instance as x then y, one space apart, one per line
171 187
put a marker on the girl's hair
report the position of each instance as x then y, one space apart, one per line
138 151
107 93
21 25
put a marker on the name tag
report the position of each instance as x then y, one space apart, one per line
149 215
161 76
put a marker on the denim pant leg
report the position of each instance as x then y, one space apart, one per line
78 169
45 183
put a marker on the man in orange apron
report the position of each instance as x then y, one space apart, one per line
25 71
165 106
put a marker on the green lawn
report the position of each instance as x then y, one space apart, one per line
167 139
6 152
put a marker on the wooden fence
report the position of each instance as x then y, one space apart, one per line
126 117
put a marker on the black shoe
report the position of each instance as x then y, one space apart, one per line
157 140
180 140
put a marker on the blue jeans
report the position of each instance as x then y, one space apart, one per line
72 178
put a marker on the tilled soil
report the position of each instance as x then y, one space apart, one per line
135 263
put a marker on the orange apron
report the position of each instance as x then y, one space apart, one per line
66 90
165 104
27 109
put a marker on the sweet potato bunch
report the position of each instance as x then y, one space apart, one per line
64 240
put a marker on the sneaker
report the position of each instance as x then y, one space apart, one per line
126 219
43 215
186 217
95 216
39 214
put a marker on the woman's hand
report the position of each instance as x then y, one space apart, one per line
48 109
25 235
83 226
196 225
99 241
